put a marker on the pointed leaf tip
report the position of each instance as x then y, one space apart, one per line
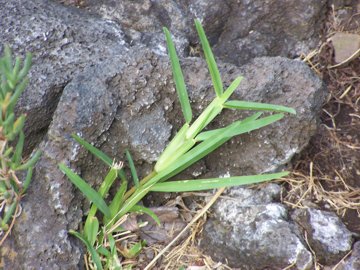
210 59
178 78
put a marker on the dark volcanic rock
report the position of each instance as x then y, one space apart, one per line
87 79
238 30
50 209
254 29
63 41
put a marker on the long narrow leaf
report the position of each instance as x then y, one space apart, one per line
208 134
247 105
172 147
116 203
253 125
205 184
132 168
190 158
178 78
91 229
94 255
214 72
103 191
142 209
87 190
93 150
211 111
230 90
210 145
98 153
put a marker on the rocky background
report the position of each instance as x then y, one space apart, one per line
101 70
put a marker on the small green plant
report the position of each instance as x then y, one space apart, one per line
13 81
188 146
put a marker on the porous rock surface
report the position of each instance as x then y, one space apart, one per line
352 262
89 78
251 231
238 30
327 235
63 41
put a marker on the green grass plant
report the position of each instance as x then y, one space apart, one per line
13 81
190 144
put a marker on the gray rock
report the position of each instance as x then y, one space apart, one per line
87 79
238 30
353 261
143 21
253 29
51 207
327 235
63 41
90 107
251 231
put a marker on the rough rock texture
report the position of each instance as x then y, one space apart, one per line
143 21
50 209
253 29
327 235
353 261
239 30
250 230
87 78
63 41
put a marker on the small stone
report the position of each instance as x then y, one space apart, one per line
250 231
345 45
327 235
353 261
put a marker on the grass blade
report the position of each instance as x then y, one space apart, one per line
211 111
87 190
117 202
94 255
142 209
214 71
172 147
247 105
93 150
240 128
98 153
207 134
205 184
179 78
103 191
132 168
230 90
91 229
210 145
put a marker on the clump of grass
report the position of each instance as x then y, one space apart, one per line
13 81
102 234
